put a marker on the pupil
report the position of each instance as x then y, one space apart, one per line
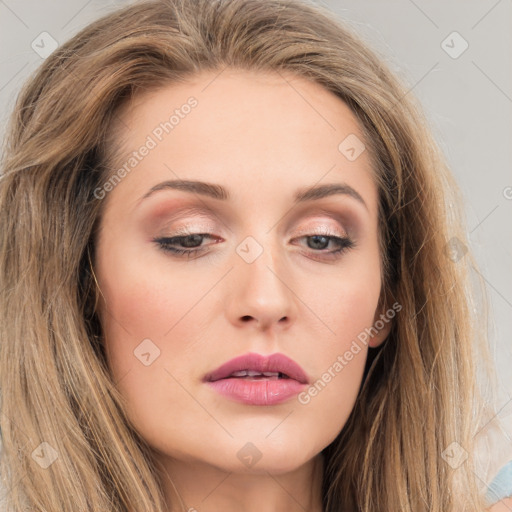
192 240
316 238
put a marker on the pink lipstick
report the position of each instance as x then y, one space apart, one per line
254 379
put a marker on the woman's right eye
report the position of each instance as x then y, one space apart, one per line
190 244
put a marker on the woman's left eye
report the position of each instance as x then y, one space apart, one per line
322 242
191 244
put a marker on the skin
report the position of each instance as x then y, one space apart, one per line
503 506
262 136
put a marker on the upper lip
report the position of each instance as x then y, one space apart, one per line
259 363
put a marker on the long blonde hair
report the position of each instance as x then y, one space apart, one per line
419 392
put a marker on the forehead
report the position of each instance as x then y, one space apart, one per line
251 130
232 95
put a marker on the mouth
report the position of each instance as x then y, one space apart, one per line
254 379
254 375
258 367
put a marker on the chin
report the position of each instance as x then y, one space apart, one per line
264 456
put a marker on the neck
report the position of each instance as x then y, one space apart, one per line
197 486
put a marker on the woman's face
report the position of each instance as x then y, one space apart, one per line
279 269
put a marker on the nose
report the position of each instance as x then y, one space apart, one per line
259 292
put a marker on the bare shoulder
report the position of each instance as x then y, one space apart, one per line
502 506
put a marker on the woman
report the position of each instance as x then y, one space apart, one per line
234 277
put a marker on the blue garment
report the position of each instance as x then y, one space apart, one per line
501 486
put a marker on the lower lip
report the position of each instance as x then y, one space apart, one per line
258 391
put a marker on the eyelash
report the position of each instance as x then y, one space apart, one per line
165 244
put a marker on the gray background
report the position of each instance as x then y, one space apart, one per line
468 101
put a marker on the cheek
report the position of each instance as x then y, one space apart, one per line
346 301
149 320
347 306
340 356
142 301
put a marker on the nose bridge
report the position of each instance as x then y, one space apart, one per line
261 265
260 292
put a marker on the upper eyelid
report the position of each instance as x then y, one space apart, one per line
344 221
184 223
327 228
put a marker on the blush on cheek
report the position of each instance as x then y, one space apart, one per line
149 306
351 313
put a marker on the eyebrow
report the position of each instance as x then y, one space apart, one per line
220 193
